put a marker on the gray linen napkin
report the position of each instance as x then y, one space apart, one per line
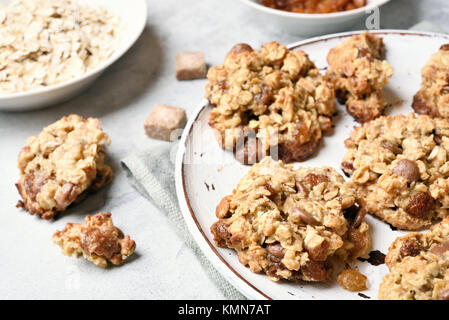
152 174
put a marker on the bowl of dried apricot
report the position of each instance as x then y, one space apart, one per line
315 17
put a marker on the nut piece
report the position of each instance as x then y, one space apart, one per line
190 65
440 249
163 120
408 170
352 280
98 240
275 252
223 209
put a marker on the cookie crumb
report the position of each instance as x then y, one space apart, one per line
98 240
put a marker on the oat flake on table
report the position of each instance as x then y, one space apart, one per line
45 42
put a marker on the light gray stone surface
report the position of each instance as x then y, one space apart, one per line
31 266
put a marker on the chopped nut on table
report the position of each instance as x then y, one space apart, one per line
98 240
190 65
163 121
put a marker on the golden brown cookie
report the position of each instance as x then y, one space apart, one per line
98 240
400 168
62 164
419 266
433 98
273 97
291 224
358 71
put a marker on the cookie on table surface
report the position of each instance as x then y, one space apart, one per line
359 73
399 166
98 240
62 164
419 266
433 98
273 96
291 224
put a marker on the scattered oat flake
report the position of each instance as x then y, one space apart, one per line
46 42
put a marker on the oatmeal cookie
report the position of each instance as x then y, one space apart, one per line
433 98
291 224
419 266
358 71
273 95
62 164
98 240
400 168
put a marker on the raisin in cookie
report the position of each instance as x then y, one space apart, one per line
400 168
274 97
98 240
291 224
433 98
419 266
61 164
358 71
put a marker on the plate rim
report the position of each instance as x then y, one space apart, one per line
227 271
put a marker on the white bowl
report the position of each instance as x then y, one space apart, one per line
133 18
305 24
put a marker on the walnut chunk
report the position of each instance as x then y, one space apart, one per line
223 209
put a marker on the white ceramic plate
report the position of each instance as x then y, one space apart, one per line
133 16
205 173
311 24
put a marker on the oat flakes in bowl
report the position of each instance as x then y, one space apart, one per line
47 42
67 45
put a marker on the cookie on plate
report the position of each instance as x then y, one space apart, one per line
433 98
98 240
62 164
399 166
359 72
291 224
419 266
273 97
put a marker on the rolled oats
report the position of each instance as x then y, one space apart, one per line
46 42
